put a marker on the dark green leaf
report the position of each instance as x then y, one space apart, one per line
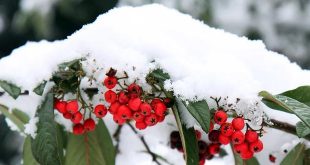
40 88
47 146
295 156
72 65
28 158
93 148
188 137
252 161
222 152
301 110
200 111
157 76
302 130
301 94
275 106
21 115
18 120
10 88
240 161
307 157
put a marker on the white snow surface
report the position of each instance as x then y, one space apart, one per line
202 62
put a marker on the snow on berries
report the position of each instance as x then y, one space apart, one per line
245 140
126 102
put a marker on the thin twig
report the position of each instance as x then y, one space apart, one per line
116 137
154 156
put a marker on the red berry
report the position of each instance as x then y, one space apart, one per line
117 119
238 123
151 120
211 126
214 148
160 109
161 118
124 112
134 103
72 106
202 161
114 107
141 125
60 106
110 82
77 117
138 117
246 155
240 148
237 137
89 124
146 109
220 117
123 98
214 136
227 129
198 134
272 158
251 136
110 96
78 129
256 146
67 115
100 111
155 101
224 139
202 147
175 137
168 102
134 90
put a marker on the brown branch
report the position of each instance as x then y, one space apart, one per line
116 137
148 150
286 127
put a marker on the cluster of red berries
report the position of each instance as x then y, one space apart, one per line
70 110
128 104
206 151
244 144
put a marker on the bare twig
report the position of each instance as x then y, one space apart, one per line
148 150
116 137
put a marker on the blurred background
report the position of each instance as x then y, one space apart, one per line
283 25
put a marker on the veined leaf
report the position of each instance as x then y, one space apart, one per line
188 138
201 112
302 130
295 156
91 148
28 158
40 88
10 88
301 94
301 110
47 146
17 117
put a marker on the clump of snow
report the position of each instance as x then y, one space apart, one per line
201 61
31 127
12 126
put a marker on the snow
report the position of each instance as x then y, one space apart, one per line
202 62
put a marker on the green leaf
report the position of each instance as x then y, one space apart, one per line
23 117
252 161
157 76
28 158
302 130
40 88
10 88
295 156
188 137
273 105
222 152
301 94
307 156
200 111
47 146
16 117
301 110
93 148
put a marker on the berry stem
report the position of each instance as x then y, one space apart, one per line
117 138
148 150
